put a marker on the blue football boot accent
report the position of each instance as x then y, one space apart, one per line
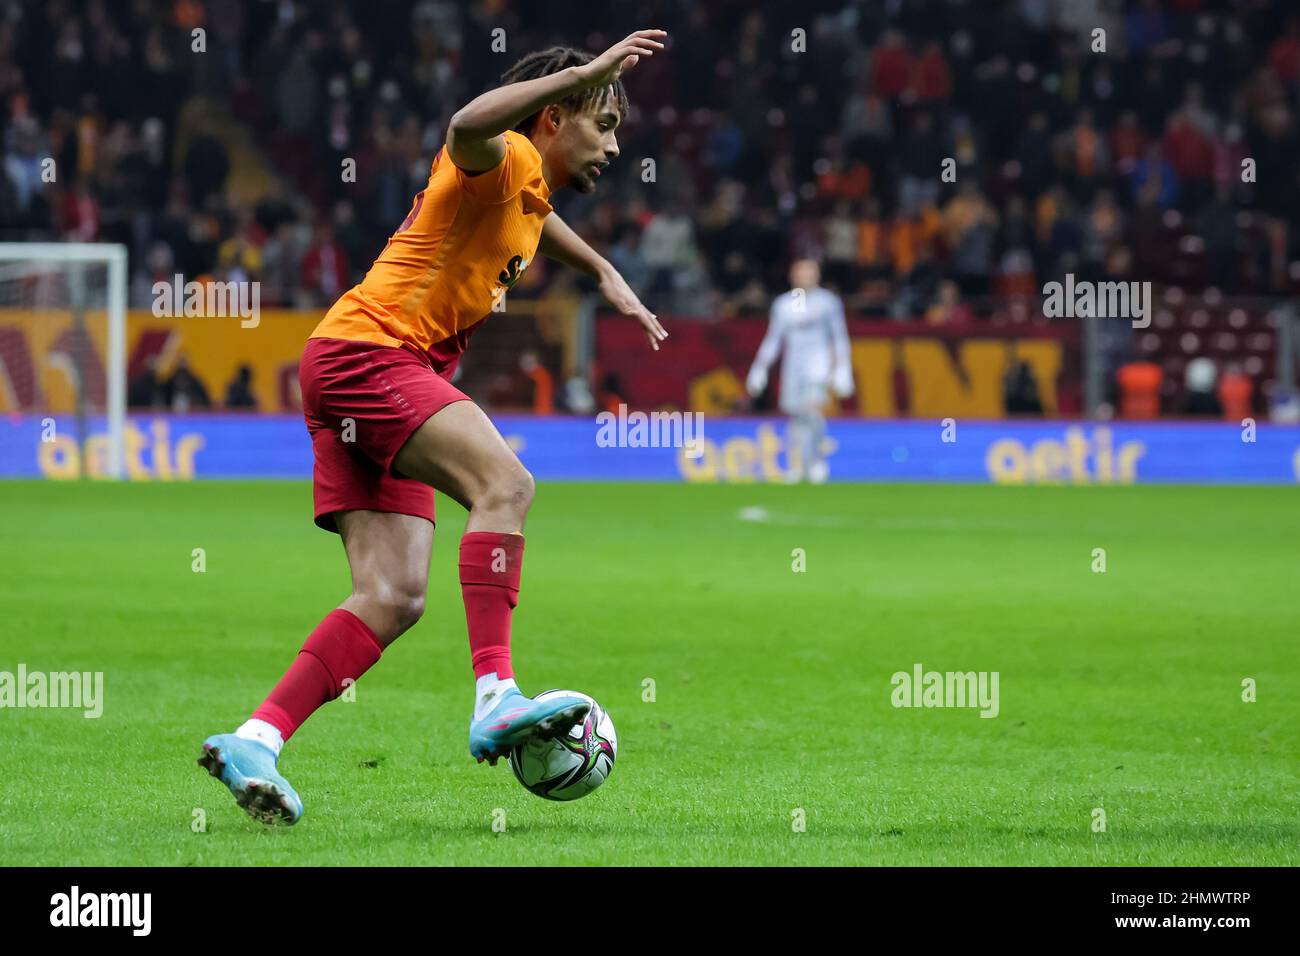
248 769
517 718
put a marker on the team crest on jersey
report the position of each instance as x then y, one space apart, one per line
513 270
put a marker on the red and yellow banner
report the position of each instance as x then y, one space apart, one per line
899 369
43 355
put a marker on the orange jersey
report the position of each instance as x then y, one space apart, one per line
465 242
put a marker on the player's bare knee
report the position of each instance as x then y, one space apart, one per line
511 493
394 607
526 489
406 607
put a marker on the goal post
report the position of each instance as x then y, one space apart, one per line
63 341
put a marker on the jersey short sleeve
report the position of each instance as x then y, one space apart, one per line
520 166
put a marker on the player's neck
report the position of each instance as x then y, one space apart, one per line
549 176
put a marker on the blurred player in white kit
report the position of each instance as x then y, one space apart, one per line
808 323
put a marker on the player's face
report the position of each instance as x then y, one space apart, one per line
587 143
805 274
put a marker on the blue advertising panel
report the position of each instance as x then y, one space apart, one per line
184 447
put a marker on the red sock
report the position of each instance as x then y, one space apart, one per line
341 649
490 563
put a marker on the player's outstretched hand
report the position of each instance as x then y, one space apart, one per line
623 55
620 295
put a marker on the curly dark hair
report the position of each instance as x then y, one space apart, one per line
552 60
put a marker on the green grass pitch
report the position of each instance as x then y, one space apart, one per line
772 698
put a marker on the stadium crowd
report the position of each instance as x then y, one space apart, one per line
775 129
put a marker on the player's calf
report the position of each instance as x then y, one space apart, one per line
461 454
388 555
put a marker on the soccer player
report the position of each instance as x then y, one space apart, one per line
808 322
388 427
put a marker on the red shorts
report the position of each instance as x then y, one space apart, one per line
362 401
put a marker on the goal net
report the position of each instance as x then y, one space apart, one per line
62 359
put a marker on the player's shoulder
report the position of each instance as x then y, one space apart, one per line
520 169
522 158
521 147
824 301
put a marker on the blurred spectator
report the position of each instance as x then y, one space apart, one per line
1036 165
839 177
912 237
183 392
873 256
145 390
841 247
282 264
1191 156
542 381
240 257
1284 54
1102 230
969 226
667 246
1127 142
1153 176
161 268
891 65
921 154
948 307
1020 391
239 391
1086 157
933 78
80 218
1217 225
25 148
206 167
625 255
325 273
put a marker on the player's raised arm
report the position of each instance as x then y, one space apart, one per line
562 244
474 134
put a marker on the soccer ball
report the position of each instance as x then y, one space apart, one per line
570 766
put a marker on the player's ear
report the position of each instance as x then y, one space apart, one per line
552 115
